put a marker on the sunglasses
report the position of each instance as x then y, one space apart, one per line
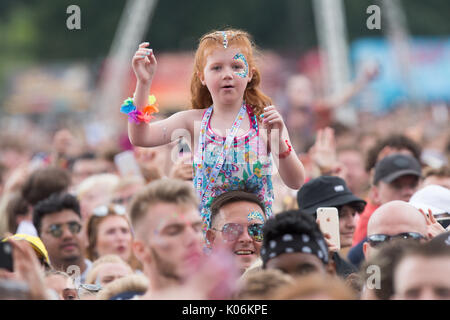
85 288
232 231
104 210
444 222
123 200
56 229
377 239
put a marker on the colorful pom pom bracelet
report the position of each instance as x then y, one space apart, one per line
137 116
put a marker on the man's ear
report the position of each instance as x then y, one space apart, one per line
331 266
365 249
210 236
140 251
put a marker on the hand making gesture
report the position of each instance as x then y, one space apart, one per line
144 63
434 228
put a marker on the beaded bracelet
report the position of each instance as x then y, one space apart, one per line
285 153
137 116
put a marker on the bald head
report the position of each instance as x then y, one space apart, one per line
393 218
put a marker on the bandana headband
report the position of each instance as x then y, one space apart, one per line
290 243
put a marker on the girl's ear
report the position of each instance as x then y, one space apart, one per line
201 77
250 75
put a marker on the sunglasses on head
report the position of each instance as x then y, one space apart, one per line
88 288
232 231
122 200
377 239
56 229
104 210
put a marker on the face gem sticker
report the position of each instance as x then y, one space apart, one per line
240 57
255 215
225 40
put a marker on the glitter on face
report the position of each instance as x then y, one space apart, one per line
255 215
240 57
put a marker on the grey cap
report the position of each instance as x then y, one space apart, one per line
395 166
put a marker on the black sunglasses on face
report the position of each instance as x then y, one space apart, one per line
56 229
377 239
232 231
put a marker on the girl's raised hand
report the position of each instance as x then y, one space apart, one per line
144 63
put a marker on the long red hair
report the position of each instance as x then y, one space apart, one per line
200 96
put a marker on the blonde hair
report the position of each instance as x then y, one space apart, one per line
200 95
135 283
256 266
53 272
125 182
92 275
305 286
259 285
108 182
164 190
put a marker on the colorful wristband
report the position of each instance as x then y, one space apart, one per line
137 116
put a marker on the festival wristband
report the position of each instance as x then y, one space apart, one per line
137 116
287 152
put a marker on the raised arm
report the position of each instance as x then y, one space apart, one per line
366 75
289 165
158 132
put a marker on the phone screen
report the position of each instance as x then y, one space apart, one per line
127 165
6 260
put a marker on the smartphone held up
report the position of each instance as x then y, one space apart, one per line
329 223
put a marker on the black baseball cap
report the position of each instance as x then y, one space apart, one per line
326 191
394 166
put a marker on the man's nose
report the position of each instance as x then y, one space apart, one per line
407 192
245 237
351 222
192 236
66 233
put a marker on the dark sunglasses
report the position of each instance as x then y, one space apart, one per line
377 239
444 223
232 231
56 229
443 219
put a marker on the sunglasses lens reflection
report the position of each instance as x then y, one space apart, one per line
232 231
255 231
56 230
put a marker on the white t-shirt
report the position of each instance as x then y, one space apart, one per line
27 227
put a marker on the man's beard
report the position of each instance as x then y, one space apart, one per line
165 268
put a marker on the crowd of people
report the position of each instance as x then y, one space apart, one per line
235 215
